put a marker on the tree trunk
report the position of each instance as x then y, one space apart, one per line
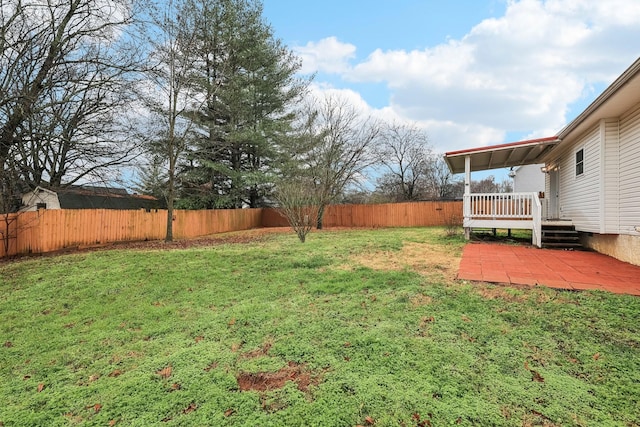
171 195
169 235
320 217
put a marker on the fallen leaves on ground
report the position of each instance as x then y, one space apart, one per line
535 375
165 372
192 407
421 422
96 408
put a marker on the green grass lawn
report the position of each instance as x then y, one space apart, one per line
351 328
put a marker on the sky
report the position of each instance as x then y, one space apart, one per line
470 72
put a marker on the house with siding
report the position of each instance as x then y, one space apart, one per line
86 197
592 176
528 178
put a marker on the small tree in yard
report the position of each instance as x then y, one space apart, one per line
299 204
170 92
453 225
340 142
6 231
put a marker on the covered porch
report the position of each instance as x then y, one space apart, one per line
501 210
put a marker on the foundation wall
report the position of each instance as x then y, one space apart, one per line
621 246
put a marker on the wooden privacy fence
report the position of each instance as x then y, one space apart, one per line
416 214
51 230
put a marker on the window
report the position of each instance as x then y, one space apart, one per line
580 162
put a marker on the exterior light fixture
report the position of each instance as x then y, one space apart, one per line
544 169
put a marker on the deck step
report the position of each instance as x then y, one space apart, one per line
559 236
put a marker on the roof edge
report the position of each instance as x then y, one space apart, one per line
536 141
41 189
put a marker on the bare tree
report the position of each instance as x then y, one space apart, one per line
440 182
64 70
171 91
299 204
338 149
404 151
489 185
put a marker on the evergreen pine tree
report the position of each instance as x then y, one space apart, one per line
247 78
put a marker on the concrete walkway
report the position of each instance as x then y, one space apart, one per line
525 265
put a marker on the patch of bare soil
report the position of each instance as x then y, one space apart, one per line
504 293
500 238
420 300
262 351
264 381
246 236
423 258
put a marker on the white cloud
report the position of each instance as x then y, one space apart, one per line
329 55
520 72
451 136
319 91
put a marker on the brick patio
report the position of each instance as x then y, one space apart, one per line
526 265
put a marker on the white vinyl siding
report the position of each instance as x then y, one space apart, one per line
547 197
629 200
611 178
31 199
580 195
529 178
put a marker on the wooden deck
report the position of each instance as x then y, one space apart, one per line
504 210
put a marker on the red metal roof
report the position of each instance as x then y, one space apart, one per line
499 146
619 97
501 156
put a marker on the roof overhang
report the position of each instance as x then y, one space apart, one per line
501 156
618 98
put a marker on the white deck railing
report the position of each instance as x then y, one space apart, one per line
504 210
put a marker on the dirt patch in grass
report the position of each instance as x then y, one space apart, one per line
235 237
264 381
423 258
246 236
258 352
509 294
522 293
420 300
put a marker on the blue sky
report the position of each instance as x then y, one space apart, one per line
398 24
371 25
472 73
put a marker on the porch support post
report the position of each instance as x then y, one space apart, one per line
466 205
